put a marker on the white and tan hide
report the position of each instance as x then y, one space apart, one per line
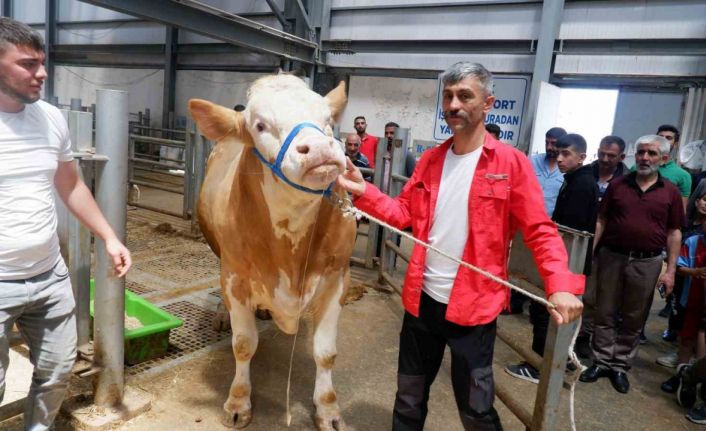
281 249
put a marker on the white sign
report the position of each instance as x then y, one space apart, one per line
510 93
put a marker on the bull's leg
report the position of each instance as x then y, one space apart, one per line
238 410
328 414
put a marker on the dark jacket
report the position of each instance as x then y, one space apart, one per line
620 170
577 204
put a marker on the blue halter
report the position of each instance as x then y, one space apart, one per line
276 167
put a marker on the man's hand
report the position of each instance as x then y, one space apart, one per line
568 307
352 180
668 280
120 255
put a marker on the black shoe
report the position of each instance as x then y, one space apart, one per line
686 390
619 380
669 335
583 347
671 385
593 373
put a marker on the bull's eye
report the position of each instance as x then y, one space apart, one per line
260 127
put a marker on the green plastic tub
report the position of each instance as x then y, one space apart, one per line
152 339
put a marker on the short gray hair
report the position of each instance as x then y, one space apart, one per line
664 146
463 69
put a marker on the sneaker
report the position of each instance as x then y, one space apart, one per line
669 335
686 391
669 361
523 371
671 385
697 415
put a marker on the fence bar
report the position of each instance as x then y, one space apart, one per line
158 141
111 195
391 282
154 163
157 187
546 404
156 209
398 251
508 398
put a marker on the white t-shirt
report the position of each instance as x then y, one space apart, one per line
449 229
32 142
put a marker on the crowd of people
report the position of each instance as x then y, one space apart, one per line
648 226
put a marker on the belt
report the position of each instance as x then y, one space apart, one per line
636 254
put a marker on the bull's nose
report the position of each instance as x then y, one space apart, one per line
303 149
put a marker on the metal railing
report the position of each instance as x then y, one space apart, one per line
171 165
523 273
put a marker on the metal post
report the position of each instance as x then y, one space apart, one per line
548 30
398 154
7 8
50 32
199 174
373 228
111 195
75 104
546 404
79 263
189 142
170 62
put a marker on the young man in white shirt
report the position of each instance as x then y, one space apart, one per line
35 290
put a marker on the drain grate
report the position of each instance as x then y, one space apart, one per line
216 293
138 288
195 334
183 266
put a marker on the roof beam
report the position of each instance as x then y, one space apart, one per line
217 24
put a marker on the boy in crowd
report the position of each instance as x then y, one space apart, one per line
577 208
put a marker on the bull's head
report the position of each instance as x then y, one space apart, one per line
277 107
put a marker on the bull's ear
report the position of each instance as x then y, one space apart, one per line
216 121
337 100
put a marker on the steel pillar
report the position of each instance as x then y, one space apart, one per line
49 42
543 63
7 8
171 46
111 195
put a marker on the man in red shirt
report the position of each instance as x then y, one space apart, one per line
466 197
368 143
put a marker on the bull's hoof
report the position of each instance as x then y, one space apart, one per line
237 420
331 424
221 320
263 314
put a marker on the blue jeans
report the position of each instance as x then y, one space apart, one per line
43 309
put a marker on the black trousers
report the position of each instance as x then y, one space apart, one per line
539 317
422 343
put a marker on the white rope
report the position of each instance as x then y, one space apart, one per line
302 286
347 207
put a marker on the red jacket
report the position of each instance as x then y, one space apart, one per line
369 146
505 195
